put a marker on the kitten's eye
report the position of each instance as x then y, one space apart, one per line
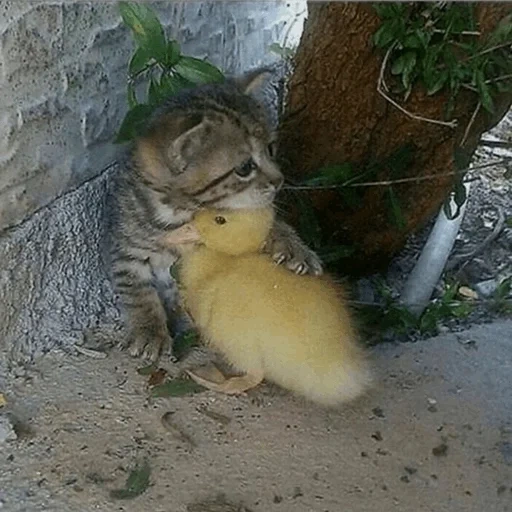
246 168
220 220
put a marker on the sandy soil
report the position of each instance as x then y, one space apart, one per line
435 434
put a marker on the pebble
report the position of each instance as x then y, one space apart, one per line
7 432
486 288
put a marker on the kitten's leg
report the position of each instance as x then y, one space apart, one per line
145 313
286 247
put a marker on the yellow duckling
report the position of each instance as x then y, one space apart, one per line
269 323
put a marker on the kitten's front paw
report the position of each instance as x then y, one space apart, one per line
296 257
149 346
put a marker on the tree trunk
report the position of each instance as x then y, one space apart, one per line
334 114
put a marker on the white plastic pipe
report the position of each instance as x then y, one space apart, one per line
430 265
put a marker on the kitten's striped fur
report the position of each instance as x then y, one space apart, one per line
207 145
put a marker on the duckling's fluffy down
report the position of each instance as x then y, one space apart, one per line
296 329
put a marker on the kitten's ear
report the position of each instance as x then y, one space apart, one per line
186 234
196 131
253 80
164 145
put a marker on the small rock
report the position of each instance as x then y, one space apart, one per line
486 288
7 432
468 343
377 435
440 451
378 412
297 493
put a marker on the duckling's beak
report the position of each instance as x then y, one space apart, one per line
185 234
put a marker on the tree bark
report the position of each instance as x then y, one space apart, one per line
334 114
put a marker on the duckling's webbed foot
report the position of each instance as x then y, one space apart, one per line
211 378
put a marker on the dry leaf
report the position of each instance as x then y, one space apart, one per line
157 377
3 400
468 293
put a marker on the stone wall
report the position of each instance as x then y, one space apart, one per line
62 97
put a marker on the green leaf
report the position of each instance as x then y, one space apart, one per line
176 387
282 51
484 92
384 35
408 70
173 54
504 288
384 9
428 321
396 213
171 84
146 28
438 83
134 120
147 370
184 342
413 40
154 92
175 271
138 61
132 97
198 71
459 194
331 175
136 483
461 309
450 293
398 65
502 33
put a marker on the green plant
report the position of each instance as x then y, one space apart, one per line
439 45
160 63
443 308
391 316
501 302
349 181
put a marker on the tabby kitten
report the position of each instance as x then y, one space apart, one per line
206 146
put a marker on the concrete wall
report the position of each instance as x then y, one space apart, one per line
62 96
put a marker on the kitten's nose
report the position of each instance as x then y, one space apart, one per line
277 182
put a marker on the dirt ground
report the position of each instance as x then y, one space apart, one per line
435 434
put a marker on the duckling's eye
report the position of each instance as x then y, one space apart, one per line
220 220
247 168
